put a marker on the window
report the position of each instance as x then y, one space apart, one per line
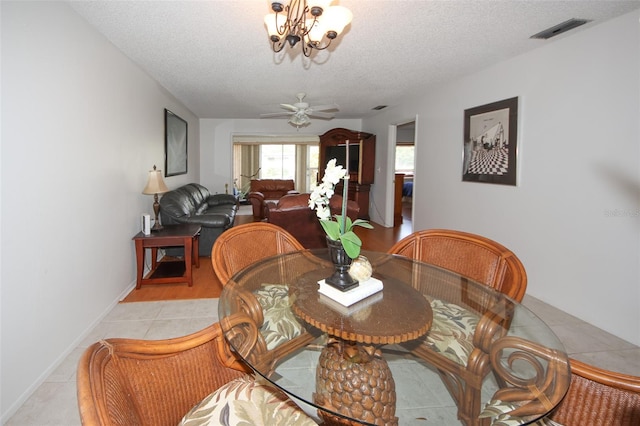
276 157
277 162
404 159
313 158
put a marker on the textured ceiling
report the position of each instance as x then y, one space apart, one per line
215 57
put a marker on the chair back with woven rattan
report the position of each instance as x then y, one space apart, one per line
242 245
599 397
153 383
473 256
484 261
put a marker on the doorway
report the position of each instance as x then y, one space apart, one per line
404 168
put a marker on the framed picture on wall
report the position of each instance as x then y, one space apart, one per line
175 144
490 143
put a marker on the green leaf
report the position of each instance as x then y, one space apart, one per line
351 243
331 228
362 223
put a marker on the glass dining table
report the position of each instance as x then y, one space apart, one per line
432 347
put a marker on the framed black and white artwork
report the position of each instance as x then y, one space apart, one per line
490 143
175 144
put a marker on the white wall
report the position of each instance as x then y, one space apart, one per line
216 153
574 218
81 126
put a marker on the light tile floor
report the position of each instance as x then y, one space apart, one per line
54 402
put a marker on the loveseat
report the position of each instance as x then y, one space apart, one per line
292 213
262 191
193 203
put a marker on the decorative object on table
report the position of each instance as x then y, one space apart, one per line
361 269
308 22
341 264
175 144
340 235
357 293
359 311
490 143
155 186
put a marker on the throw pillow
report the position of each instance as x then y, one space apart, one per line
247 401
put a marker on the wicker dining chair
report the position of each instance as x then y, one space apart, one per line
135 382
242 245
474 256
486 262
131 382
599 397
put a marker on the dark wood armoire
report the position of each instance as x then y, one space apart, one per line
362 160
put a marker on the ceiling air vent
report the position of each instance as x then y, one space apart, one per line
560 28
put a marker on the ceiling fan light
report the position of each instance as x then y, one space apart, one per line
336 18
299 120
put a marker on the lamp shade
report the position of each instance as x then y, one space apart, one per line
155 183
271 24
317 31
336 18
322 4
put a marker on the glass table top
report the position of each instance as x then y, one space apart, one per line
430 345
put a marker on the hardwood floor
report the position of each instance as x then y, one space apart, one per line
206 284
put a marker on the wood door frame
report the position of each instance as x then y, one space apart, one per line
391 166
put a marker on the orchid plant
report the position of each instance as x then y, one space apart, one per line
340 229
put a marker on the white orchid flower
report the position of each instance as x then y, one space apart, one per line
323 212
319 200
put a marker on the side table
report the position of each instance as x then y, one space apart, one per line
168 272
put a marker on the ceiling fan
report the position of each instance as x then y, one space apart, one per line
301 111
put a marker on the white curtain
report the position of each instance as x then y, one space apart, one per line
246 158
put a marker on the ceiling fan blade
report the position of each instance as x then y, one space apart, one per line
321 114
275 114
289 107
324 107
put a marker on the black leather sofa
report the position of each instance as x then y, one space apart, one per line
193 203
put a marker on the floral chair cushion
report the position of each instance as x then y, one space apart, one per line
247 401
497 410
280 324
452 331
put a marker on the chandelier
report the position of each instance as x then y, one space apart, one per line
312 22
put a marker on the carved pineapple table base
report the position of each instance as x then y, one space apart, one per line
354 380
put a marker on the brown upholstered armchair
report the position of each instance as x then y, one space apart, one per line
262 191
292 213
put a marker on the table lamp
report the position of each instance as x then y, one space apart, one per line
155 186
